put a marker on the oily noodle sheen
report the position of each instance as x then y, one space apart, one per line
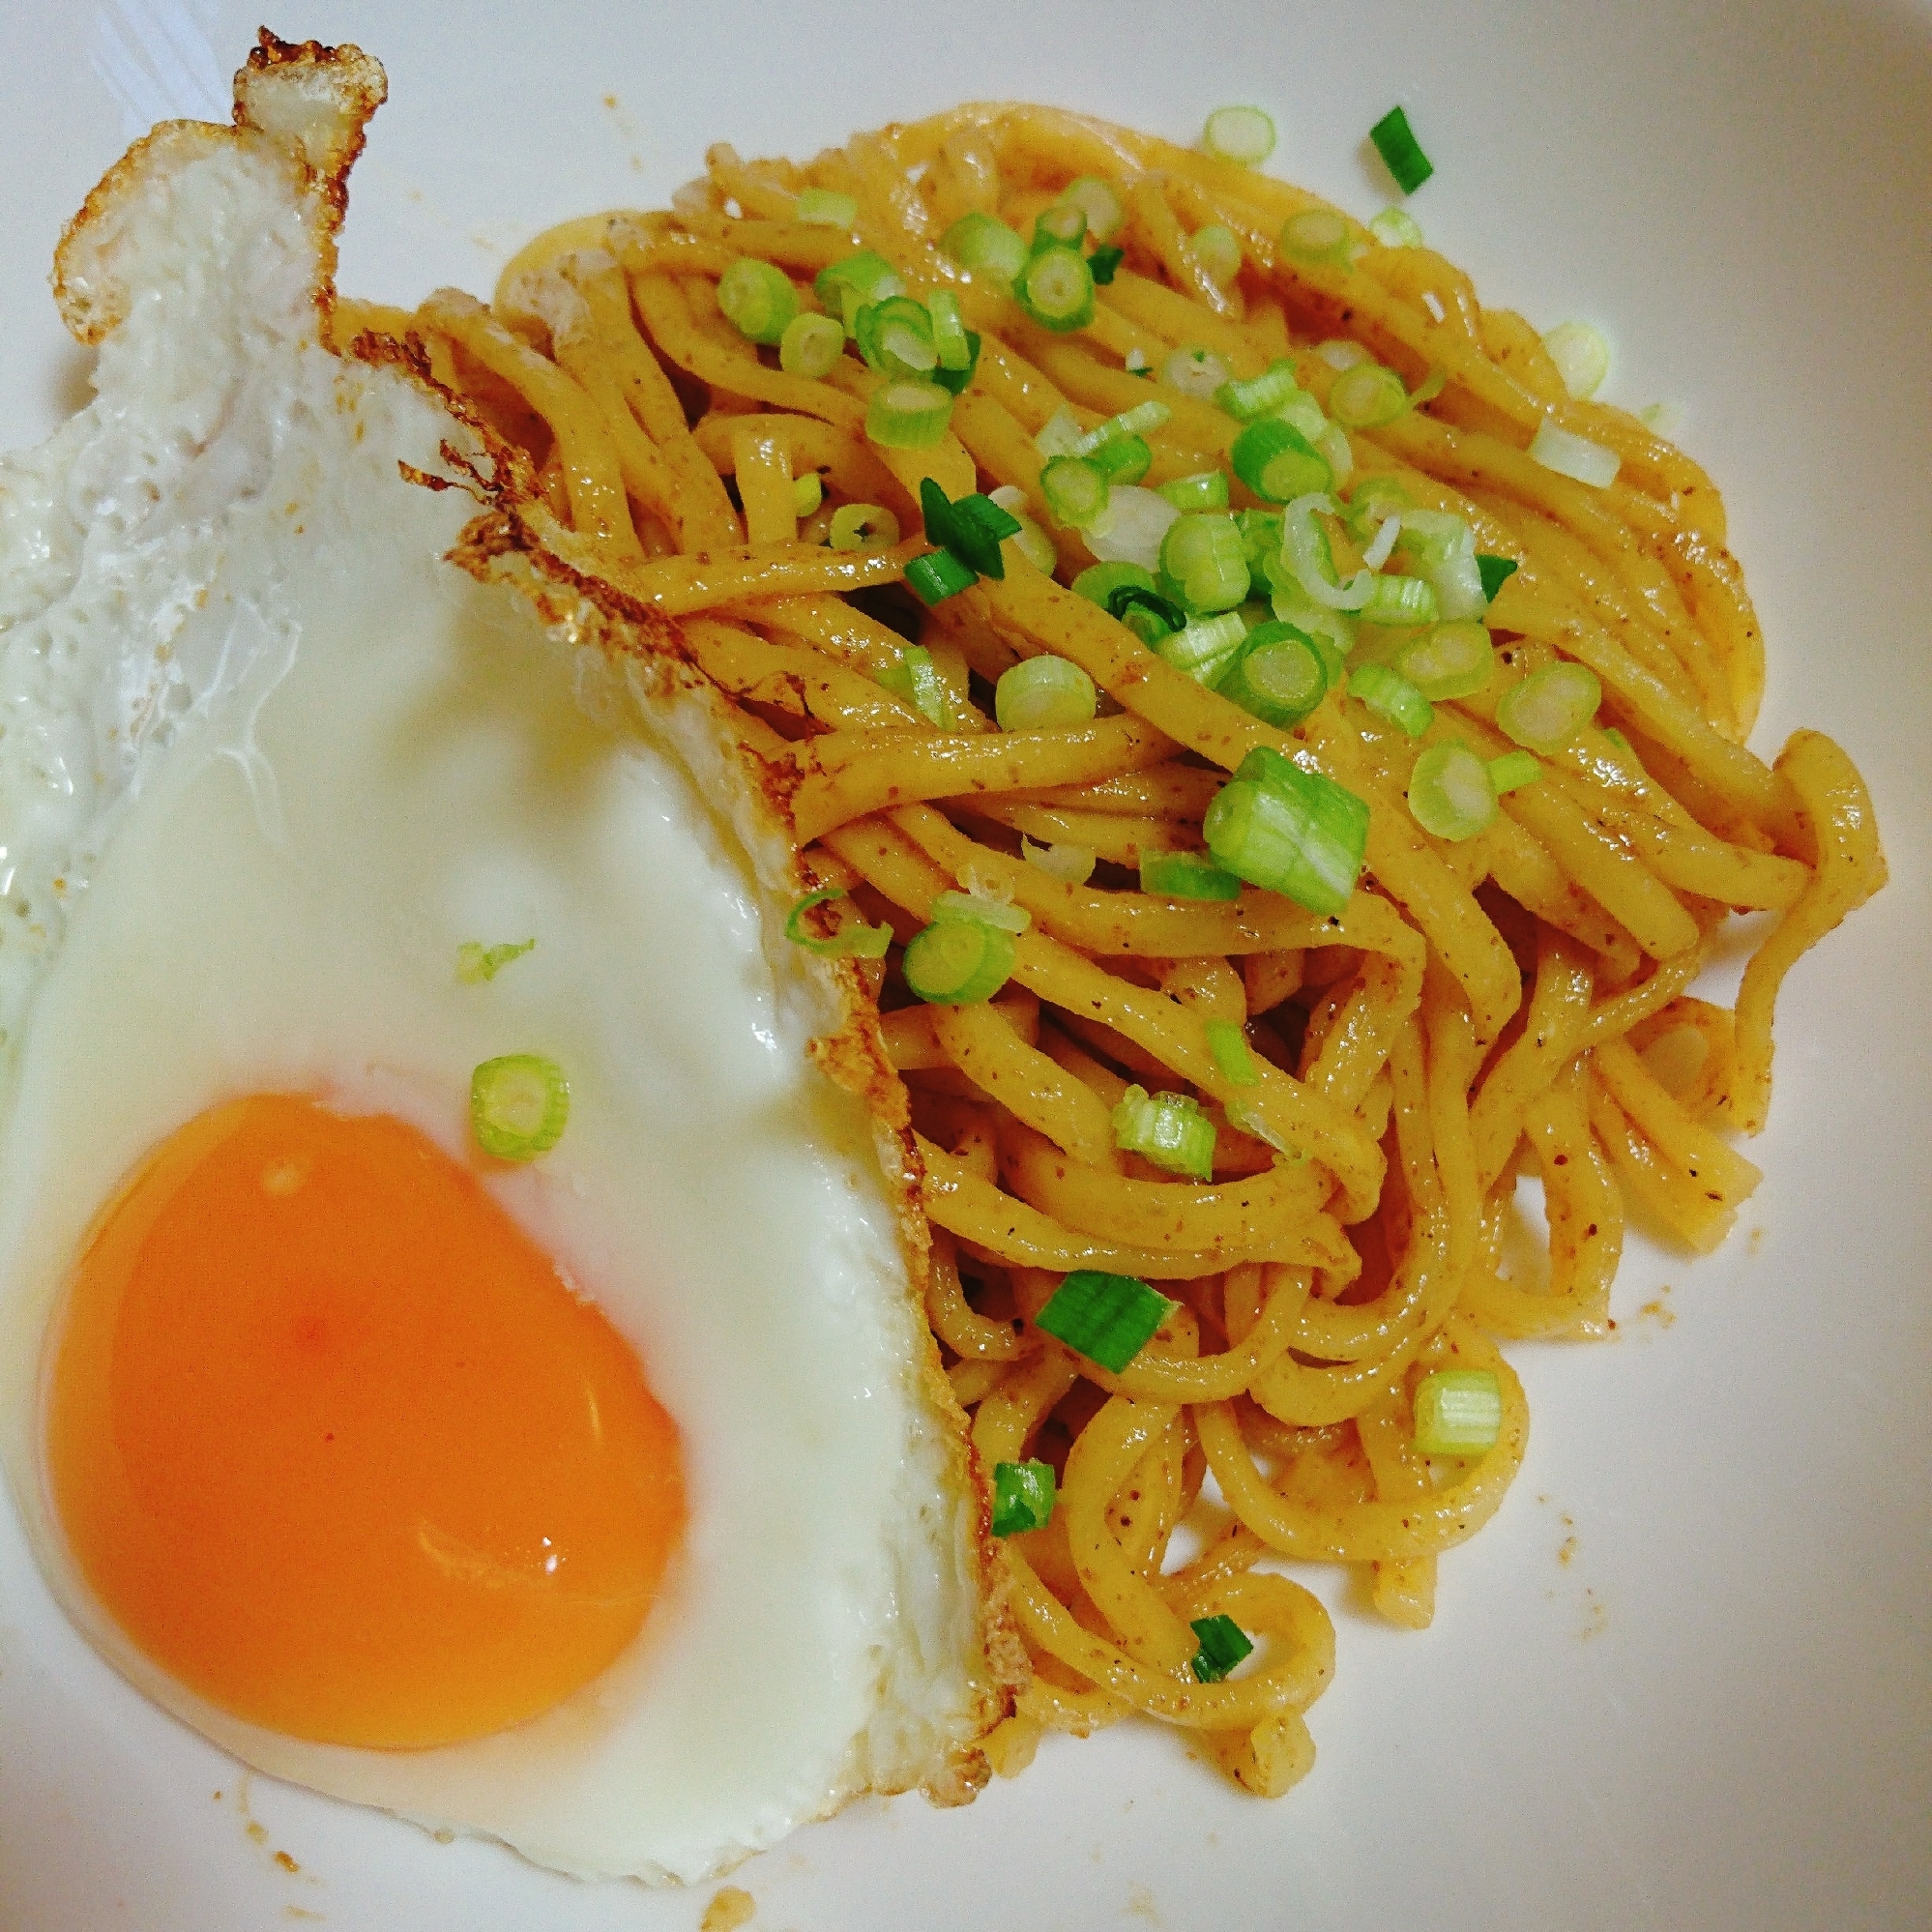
1514 1002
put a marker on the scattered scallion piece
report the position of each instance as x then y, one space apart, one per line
863 526
979 906
1441 549
1229 1046
1289 830
807 493
1060 435
852 941
1224 1645
844 286
916 679
476 962
758 300
1449 793
1366 396
1279 675
1151 413
1390 695
826 208
1103 264
1194 371
1342 354
1371 503
1122 459
987 246
949 329
1043 693
1206 489
1574 456
518 1106
1100 202
1075 491
1546 711
1067 864
1204 554
973 529
1258 396
1244 135
1396 228
1495 571
1277 462
810 345
896 337
1148 614
957 962
1401 152
1317 234
1204 647
1219 251
1581 355
1449 660
1458 1411
1309 561
1398 600
1056 289
1170 1129
1062 225
1513 770
1023 1494
940 575
908 414
1134 362
1186 875
1108 1318
955 380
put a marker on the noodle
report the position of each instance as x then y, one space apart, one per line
1511 1004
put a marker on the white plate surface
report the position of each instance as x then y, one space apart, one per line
1718 1712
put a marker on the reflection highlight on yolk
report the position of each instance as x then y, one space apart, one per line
334 1443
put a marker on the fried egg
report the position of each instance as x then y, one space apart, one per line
609 1502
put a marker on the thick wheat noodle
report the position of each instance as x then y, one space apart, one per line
1473 1011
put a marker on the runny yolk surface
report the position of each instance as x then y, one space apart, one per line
332 1443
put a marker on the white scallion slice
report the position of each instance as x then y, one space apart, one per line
1137 520
1546 711
1574 456
1341 355
1194 371
1244 135
1581 355
1219 251
1100 202
1396 228
1070 865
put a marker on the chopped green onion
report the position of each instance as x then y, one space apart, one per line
1574 456
810 345
1618 739
1186 875
940 575
1056 289
1396 228
955 380
1229 1046
896 337
1151 413
1277 462
1371 503
1136 521
1449 660
1244 135
845 285
1075 491
1381 545
1148 614
1366 396
1306 552
957 962
1122 458
1206 489
1068 864
1279 675
1194 371
1060 435
826 208
1442 549
1401 152
1134 362
1398 600
1458 1411
1103 264
948 330
1204 554
908 414
1259 396
1449 793
1022 1497
1390 695
1289 830
987 910
863 526
758 299
973 529
1204 647
1495 571
1513 770
1063 225
807 493
1217 249
1546 711
1108 1318
1581 355
1170 1129
1099 583
916 679
1340 354
1224 1645
1044 694
985 246
1317 234
1100 202
852 941
1034 545
519 1104
476 962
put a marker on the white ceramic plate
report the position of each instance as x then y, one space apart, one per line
1683 1679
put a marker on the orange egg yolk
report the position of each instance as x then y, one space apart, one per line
332 1441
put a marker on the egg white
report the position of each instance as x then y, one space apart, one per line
268 761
